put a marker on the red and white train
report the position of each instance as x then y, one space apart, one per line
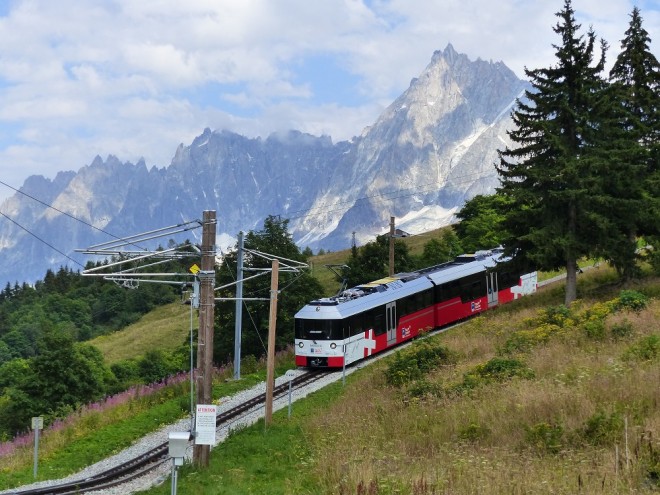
367 319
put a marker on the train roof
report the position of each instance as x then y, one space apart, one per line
364 296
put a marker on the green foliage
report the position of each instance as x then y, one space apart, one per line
594 329
501 369
296 289
416 361
474 432
155 365
603 429
440 249
524 340
482 222
496 370
646 349
571 186
371 261
622 330
631 300
421 388
545 437
555 315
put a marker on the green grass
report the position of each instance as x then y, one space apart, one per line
164 328
93 436
557 430
76 451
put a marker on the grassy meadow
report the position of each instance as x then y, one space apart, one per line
165 328
531 398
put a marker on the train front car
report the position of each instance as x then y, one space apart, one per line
319 342
362 321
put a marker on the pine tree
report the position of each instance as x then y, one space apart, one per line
547 176
635 94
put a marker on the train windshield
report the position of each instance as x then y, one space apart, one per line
318 329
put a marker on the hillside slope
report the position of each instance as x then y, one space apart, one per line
529 398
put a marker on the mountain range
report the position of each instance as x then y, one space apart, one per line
432 149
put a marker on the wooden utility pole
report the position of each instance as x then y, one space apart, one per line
206 319
391 246
270 362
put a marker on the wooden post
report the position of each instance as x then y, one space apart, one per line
391 246
270 363
206 320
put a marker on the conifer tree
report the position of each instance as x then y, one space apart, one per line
546 176
635 96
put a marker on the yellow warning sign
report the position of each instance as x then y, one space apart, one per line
194 269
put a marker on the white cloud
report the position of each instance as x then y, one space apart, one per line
136 78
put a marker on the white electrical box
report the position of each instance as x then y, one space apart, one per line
178 445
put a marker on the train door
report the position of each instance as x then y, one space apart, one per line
390 316
493 289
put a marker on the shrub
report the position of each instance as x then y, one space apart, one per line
631 300
603 429
594 329
474 432
525 340
414 362
555 315
622 330
495 370
647 349
545 437
423 388
500 369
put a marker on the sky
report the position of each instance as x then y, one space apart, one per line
136 78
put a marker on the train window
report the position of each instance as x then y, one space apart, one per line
450 290
378 320
355 324
508 279
426 299
473 287
406 305
318 329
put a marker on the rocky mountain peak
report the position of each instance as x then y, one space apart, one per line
429 151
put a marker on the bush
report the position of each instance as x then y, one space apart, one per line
622 330
525 340
594 329
603 429
646 349
545 437
474 432
631 300
556 315
419 359
500 369
423 388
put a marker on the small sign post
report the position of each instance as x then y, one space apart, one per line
37 425
290 374
205 424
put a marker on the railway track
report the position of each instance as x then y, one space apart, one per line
144 463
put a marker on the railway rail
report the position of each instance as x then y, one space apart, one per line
144 463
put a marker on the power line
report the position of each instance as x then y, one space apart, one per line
64 213
41 240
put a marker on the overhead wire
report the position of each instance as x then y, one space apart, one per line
311 212
41 240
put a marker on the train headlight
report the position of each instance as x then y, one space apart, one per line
301 345
333 346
